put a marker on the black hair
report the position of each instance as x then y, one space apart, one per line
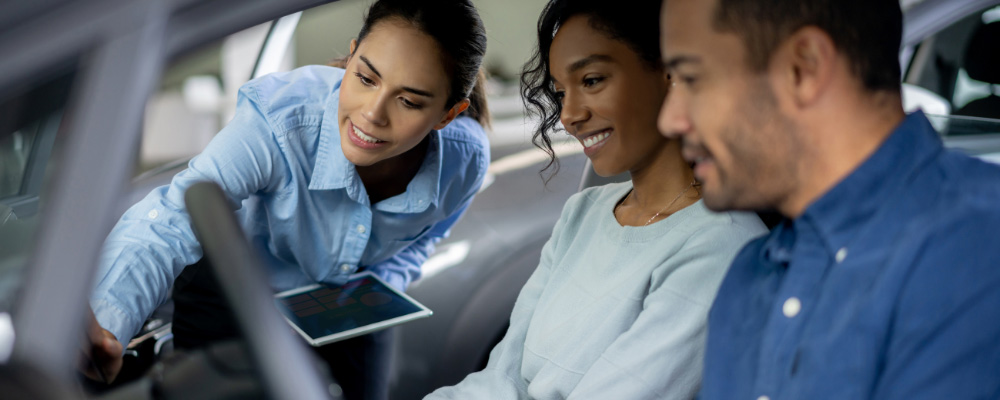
456 27
868 32
634 23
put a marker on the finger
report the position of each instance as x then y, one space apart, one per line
89 368
108 356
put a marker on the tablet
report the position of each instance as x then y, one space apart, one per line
325 314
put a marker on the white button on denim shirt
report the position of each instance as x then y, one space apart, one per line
300 201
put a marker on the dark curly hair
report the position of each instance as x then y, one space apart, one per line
635 23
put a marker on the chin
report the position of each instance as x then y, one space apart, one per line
604 170
356 157
716 203
717 199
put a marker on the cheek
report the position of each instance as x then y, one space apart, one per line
410 127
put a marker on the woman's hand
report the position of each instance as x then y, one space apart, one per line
102 353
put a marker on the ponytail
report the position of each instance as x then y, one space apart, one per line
478 109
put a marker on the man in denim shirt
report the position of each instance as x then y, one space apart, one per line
883 279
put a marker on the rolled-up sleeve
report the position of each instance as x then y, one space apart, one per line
153 241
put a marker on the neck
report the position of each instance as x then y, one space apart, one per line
658 187
390 177
659 183
838 145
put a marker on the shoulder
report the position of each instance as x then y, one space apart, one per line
971 176
962 205
602 197
723 228
465 149
299 94
464 135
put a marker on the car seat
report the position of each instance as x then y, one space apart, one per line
982 63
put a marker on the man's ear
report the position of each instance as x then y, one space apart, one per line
807 61
452 113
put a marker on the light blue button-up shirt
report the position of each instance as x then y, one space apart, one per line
300 201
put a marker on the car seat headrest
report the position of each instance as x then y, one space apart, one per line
982 55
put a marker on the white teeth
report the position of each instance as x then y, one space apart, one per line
595 139
363 136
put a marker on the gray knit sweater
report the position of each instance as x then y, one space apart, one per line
613 312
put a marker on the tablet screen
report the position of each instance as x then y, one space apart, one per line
324 314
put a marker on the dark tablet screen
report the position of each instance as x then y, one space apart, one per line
323 313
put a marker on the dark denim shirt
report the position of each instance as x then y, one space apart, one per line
887 287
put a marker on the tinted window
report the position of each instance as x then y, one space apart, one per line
28 129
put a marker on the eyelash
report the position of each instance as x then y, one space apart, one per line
587 83
364 79
591 81
686 80
410 104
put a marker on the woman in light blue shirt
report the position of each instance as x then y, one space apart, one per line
331 171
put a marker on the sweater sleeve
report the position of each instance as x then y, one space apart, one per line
502 379
660 355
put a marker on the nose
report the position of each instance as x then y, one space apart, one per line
572 112
674 120
375 109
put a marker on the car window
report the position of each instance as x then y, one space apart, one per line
196 96
949 71
14 152
28 128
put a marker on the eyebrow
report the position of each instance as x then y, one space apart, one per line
406 88
593 58
674 62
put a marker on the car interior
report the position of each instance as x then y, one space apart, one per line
982 63
957 68
960 65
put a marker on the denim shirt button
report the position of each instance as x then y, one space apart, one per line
345 267
763 398
791 307
361 229
841 255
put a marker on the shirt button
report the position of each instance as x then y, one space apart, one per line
763 398
345 267
841 255
792 307
153 214
361 229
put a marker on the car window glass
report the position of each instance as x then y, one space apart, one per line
196 96
941 66
14 151
28 130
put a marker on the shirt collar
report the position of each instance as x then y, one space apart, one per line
837 215
333 171
424 189
777 248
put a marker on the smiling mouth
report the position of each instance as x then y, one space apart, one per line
596 139
363 136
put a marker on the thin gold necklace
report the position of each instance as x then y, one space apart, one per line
661 210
